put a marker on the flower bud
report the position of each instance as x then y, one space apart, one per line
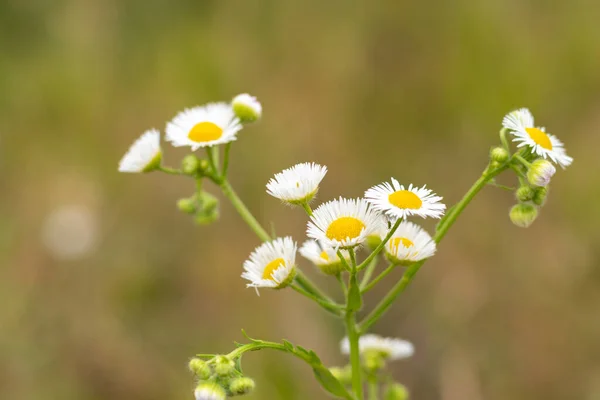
190 165
200 368
246 107
342 374
242 385
523 214
373 360
395 391
209 391
540 172
499 155
224 366
540 195
208 210
188 205
524 193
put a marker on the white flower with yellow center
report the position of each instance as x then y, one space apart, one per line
208 125
144 155
409 243
521 125
272 264
298 184
399 202
324 257
388 348
343 223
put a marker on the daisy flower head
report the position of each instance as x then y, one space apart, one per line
396 201
298 184
203 126
388 348
144 155
409 243
383 226
521 125
344 223
272 264
324 257
246 107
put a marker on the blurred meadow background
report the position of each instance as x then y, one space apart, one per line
106 289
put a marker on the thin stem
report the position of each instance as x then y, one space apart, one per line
373 387
353 337
442 229
307 208
380 246
369 272
504 140
503 187
343 260
226 160
169 170
212 160
329 306
243 211
352 258
379 277
342 284
522 160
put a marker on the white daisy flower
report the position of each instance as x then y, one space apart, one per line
521 125
298 184
389 348
144 155
209 391
272 264
409 243
324 257
399 202
343 223
208 125
246 107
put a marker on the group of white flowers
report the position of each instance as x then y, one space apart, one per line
339 227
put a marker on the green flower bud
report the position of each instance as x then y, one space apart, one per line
342 374
524 193
200 368
209 391
540 172
208 202
246 107
224 366
373 360
373 241
499 155
208 210
540 195
190 165
242 385
523 215
396 391
188 205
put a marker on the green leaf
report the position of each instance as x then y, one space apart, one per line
354 297
330 383
288 345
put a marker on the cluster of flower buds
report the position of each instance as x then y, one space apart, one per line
219 378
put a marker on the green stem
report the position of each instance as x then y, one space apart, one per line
307 208
226 160
442 229
352 258
212 160
329 306
522 160
169 170
343 260
380 246
369 272
379 277
342 284
373 387
353 337
504 140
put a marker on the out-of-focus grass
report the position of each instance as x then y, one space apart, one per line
407 89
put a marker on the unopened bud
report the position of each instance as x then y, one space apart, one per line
540 172
188 205
523 215
224 366
342 374
374 360
200 368
241 385
209 391
190 165
524 193
499 155
540 196
395 391
246 107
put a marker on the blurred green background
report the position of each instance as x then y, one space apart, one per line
106 289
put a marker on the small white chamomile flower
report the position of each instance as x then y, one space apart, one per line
324 257
389 348
209 391
144 155
409 243
298 184
343 223
203 126
521 125
396 201
246 107
272 264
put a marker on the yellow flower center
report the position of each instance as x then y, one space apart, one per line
395 242
324 256
271 267
344 227
405 199
539 137
205 132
